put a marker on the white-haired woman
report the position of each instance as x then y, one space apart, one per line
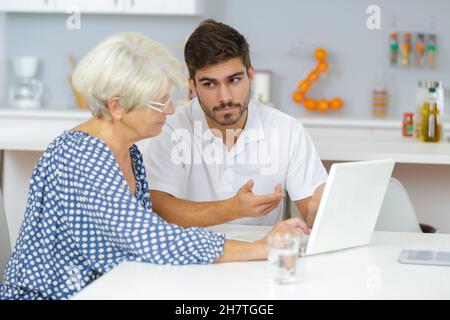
89 206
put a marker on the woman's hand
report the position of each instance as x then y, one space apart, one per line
294 226
246 251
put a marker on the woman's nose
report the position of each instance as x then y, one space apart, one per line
170 109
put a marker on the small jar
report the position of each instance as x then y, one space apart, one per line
408 124
379 101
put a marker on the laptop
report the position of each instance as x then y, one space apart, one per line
350 205
347 213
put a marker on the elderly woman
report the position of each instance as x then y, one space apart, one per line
89 206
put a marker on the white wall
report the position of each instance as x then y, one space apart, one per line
4 239
2 57
356 53
271 27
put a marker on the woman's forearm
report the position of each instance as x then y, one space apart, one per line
243 251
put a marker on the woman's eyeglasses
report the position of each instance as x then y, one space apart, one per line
158 106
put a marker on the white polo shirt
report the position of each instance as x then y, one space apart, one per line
189 162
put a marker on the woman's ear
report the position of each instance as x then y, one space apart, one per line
115 110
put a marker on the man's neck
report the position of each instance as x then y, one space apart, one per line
229 134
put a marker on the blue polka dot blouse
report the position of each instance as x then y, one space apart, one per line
81 221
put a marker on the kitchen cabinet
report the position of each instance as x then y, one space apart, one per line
27 6
173 7
143 7
89 6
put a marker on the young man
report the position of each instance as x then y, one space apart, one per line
225 158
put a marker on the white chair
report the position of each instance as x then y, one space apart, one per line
397 212
5 247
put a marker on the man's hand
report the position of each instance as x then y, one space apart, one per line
246 204
313 205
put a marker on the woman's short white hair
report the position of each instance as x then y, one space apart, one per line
128 65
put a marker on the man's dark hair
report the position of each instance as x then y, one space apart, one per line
214 42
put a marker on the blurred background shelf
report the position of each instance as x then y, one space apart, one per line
142 7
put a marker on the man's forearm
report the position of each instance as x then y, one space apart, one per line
308 207
192 214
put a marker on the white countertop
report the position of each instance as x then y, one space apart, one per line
309 121
355 121
372 147
33 130
45 114
368 272
350 122
336 139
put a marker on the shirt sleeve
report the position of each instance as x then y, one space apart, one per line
110 225
163 161
305 170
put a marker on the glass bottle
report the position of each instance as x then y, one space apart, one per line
406 49
431 122
421 95
408 124
394 48
380 96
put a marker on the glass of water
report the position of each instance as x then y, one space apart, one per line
283 254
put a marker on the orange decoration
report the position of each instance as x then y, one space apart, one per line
322 106
300 97
310 104
320 54
303 87
313 76
336 104
322 67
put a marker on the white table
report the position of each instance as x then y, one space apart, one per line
369 272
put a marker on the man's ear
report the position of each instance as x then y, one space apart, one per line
115 110
192 86
251 73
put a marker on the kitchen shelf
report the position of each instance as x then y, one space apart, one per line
126 7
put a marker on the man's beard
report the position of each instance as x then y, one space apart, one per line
228 120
